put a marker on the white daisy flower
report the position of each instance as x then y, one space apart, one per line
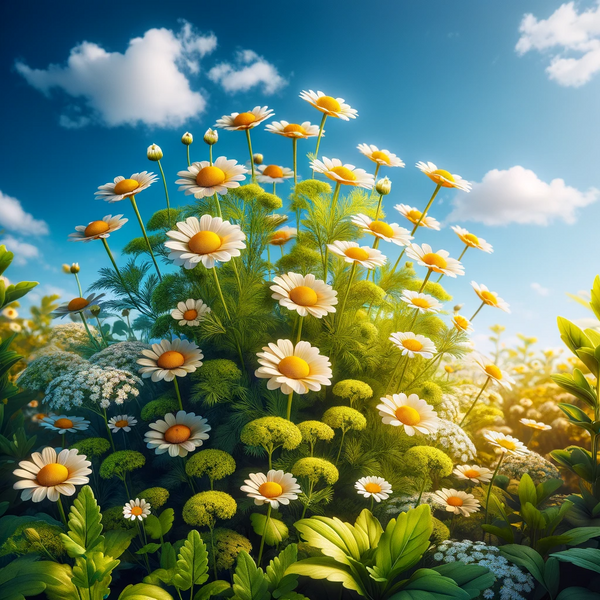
351 252
246 120
473 473
416 216
382 230
76 305
332 107
122 188
490 298
383 158
305 294
294 130
208 240
424 303
373 487
459 503
443 178
297 369
439 262
494 372
345 174
168 360
15 327
274 174
49 474
462 323
203 179
122 423
190 312
412 344
97 229
472 240
136 509
410 412
177 434
506 443
10 312
283 235
535 424
274 488
63 424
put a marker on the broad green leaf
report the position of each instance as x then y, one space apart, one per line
277 567
6 257
116 541
85 529
192 562
150 548
526 557
552 576
547 488
370 525
276 531
577 593
586 558
168 557
249 582
153 527
575 414
471 578
14 292
160 575
595 297
427 584
93 571
527 491
26 577
214 588
144 591
166 519
532 516
577 387
572 336
578 535
324 567
505 533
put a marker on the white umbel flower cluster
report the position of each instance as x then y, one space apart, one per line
42 370
122 355
453 441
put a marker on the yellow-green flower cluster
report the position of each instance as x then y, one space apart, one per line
427 459
206 508
228 544
92 447
216 464
312 431
157 496
271 432
316 469
120 463
157 409
344 418
353 391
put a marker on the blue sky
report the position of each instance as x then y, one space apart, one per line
507 101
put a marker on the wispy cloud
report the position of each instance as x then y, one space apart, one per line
23 251
540 289
14 218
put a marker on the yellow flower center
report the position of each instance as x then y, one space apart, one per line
304 296
344 173
125 186
448 369
455 501
294 128
489 298
420 302
437 177
435 261
413 215
372 488
471 473
96 228
493 371
294 367
190 315
77 304
63 423
178 434
204 242
356 253
329 104
280 237
507 444
270 489
244 119
461 322
122 423
382 228
52 474
378 155
170 360
273 171
471 239
136 511
412 344
408 415
210 176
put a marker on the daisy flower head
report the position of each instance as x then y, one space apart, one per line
246 120
168 360
438 262
122 423
77 305
177 434
300 368
9 312
506 443
283 235
472 240
383 158
412 344
459 503
203 179
424 303
416 216
473 473
136 509
207 240
274 174
305 294
190 312
443 178
97 229
294 130
49 474
274 488
122 188
535 425
63 424
330 106
462 323
410 412
351 252
494 372
373 487
343 174
490 298
388 232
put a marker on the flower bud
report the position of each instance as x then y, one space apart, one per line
383 186
66 269
154 152
74 268
258 159
448 369
125 312
187 138
211 137
458 307
95 310
32 535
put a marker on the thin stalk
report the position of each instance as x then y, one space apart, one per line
375 178
212 545
274 188
262 539
424 213
61 510
218 205
295 159
79 283
210 159
403 373
336 195
371 507
475 401
459 258
167 191
477 311
489 492
101 332
319 139
429 272
251 155
421 492
140 528
343 305
214 270
178 393
288 413
308 497
110 437
299 329
337 458
378 207
237 274
188 154
84 321
139 218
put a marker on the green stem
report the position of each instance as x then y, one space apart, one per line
188 154
110 437
216 197
84 321
371 507
343 305
477 311
237 274
124 480
210 159
295 159
308 497
474 401
262 539
459 258
424 213
274 184
178 393
101 332
166 190
375 181
489 492
61 510
341 446
139 218
214 270
429 272
251 155
336 195
403 373
421 492
378 207
78 283
212 544
319 139
299 329
288 413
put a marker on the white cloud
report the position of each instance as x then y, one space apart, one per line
540 289
14 218
518 195
22 251
248 70
148 83
571 38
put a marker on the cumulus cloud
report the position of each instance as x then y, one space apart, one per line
14 218
22 250
248 70
572 40
149 83
518 195
540 289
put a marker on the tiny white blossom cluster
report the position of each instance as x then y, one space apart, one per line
467 394
71 336
511 582
403 503
451 438
538 468
42 370
94 385
122 355
449 408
